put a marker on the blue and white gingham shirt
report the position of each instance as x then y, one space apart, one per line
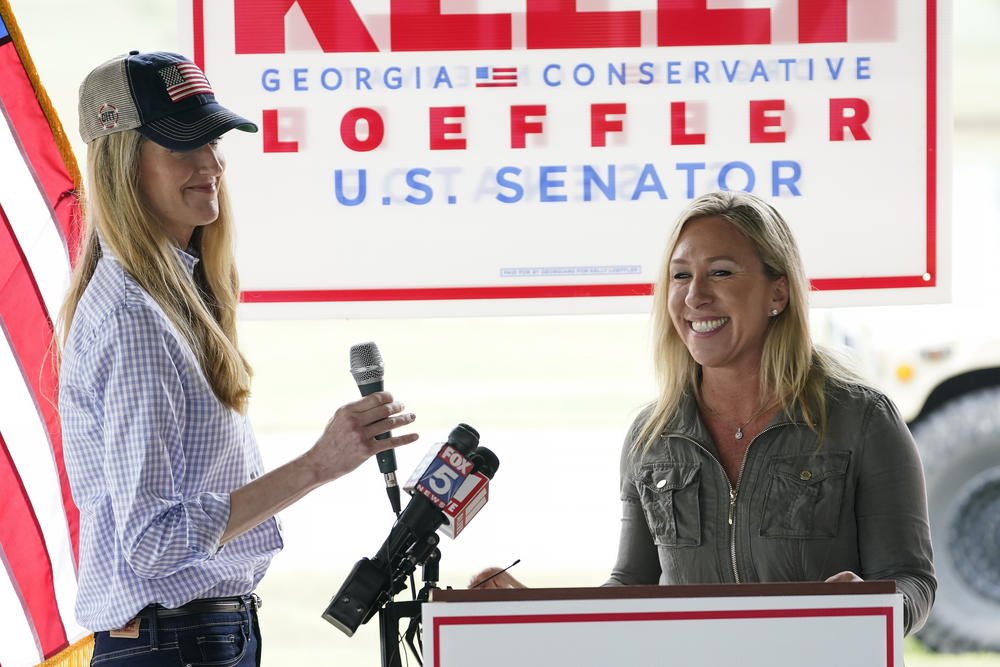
151 455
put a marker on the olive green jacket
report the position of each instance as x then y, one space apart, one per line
802 510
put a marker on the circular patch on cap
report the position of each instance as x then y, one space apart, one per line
108 116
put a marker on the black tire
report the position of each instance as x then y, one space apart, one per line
959 445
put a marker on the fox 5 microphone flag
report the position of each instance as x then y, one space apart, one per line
39 224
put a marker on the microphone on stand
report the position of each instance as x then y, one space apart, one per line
448 488
369 371
463 500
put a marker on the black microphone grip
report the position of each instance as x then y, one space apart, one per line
386 459
389 455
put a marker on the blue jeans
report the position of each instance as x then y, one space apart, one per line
228 639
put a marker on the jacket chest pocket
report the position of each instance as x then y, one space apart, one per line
669 495
804 495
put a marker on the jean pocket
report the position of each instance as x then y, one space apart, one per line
215 644
120 651
669 494
804 495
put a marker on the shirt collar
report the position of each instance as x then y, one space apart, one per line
187 259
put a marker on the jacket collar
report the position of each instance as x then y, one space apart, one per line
687 421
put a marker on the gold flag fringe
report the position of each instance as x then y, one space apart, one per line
77 655
43 98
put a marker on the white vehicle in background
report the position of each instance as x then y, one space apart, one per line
941 366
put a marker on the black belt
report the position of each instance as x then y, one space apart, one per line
210 606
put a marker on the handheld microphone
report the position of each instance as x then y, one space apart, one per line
368 371
452 479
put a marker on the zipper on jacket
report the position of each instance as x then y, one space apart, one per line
733 493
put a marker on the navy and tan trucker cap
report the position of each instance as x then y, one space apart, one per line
164 96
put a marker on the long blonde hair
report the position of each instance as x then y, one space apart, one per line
203 312
792 368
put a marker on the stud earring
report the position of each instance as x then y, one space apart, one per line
774 311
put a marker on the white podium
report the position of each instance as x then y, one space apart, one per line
749 625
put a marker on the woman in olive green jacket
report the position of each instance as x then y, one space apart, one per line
762 459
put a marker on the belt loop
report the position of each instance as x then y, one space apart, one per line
249 606
154 638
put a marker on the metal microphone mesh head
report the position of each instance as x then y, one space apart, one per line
366 363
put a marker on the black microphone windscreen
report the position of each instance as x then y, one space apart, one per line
463 438
485 462
366 363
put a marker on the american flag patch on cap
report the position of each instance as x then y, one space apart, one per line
184 80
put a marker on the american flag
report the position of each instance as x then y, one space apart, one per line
39 524
184 80
496 77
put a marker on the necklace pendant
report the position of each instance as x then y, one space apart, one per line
739 433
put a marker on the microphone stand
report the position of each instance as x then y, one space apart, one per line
430 576
389 616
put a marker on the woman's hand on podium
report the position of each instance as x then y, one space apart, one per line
500 579
843 577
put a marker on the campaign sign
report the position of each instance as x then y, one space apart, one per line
465 157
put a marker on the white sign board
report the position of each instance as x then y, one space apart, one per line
770 631
451 156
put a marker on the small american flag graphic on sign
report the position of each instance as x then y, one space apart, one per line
496 77
184 80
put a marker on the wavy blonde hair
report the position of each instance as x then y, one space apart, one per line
204 312
792 368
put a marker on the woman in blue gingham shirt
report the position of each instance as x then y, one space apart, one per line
177 514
